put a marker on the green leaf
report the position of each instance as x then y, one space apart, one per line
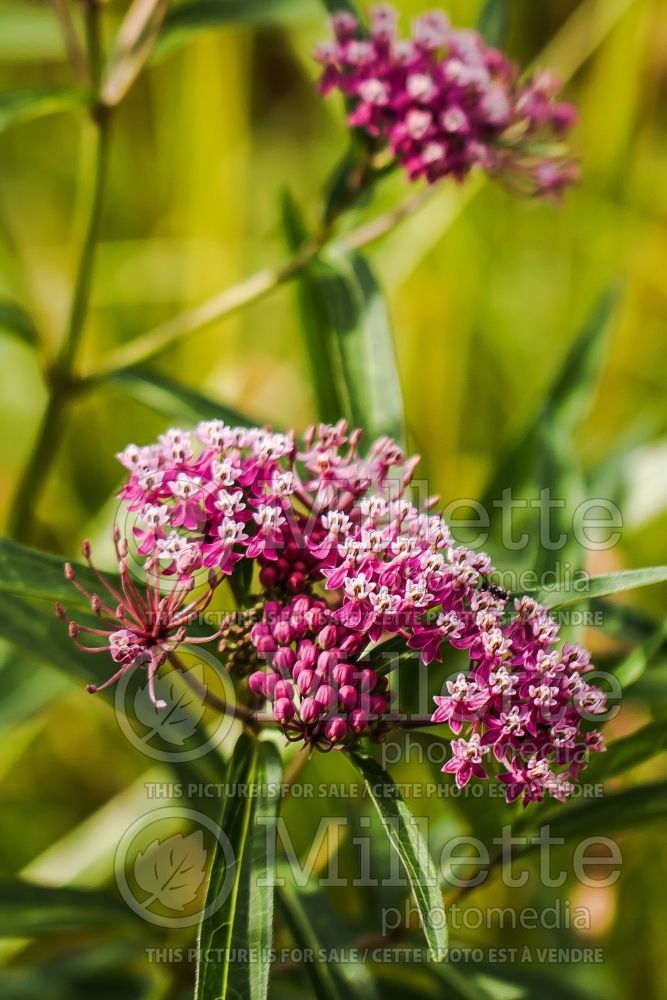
15 320
27 909
348 337
628 752
365 344
602 586
630 669
22 105
174 400
566 402
615 812
493 23
315 927
196 15
29 573
335 6
25 688
245 919
403 833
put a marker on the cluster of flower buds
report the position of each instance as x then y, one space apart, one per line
344 561
319 692
444 102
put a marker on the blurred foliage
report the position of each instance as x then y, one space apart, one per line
483 290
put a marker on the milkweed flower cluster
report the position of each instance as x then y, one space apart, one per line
342 560
444 102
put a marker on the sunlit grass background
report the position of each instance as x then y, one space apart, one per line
486 294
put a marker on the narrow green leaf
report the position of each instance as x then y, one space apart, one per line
16 321
335 6
314 320
245 919
404 835
365 344
493 22
315 927
348 337
174 400
630 669
22 105
196 15
30 573
615 812
27 909
25 689
566 402
602 586
627 752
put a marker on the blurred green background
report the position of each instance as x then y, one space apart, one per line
486 293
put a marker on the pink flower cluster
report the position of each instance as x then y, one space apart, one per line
319 692
344 561
444 101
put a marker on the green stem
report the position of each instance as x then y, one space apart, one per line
60 375
250 290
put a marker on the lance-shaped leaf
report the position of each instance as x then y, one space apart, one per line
27 909
16 321
620 811
189 16
565 405
316 928
493 21
348 337
245 875
131 48
173 399
22 105
634 665
602 586
30 573
405 836
627 752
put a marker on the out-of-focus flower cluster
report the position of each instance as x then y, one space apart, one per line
445 102
340 560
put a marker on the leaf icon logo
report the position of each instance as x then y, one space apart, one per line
172 871
176 723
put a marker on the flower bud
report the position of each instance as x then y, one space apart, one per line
256 682
326 696
296 582
307 652
344 673
367 679
285 660
347 696
328 637
283 711
282 633
284 689
326 662
270 681
335 730
309 710
358 720
268 577
307 681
